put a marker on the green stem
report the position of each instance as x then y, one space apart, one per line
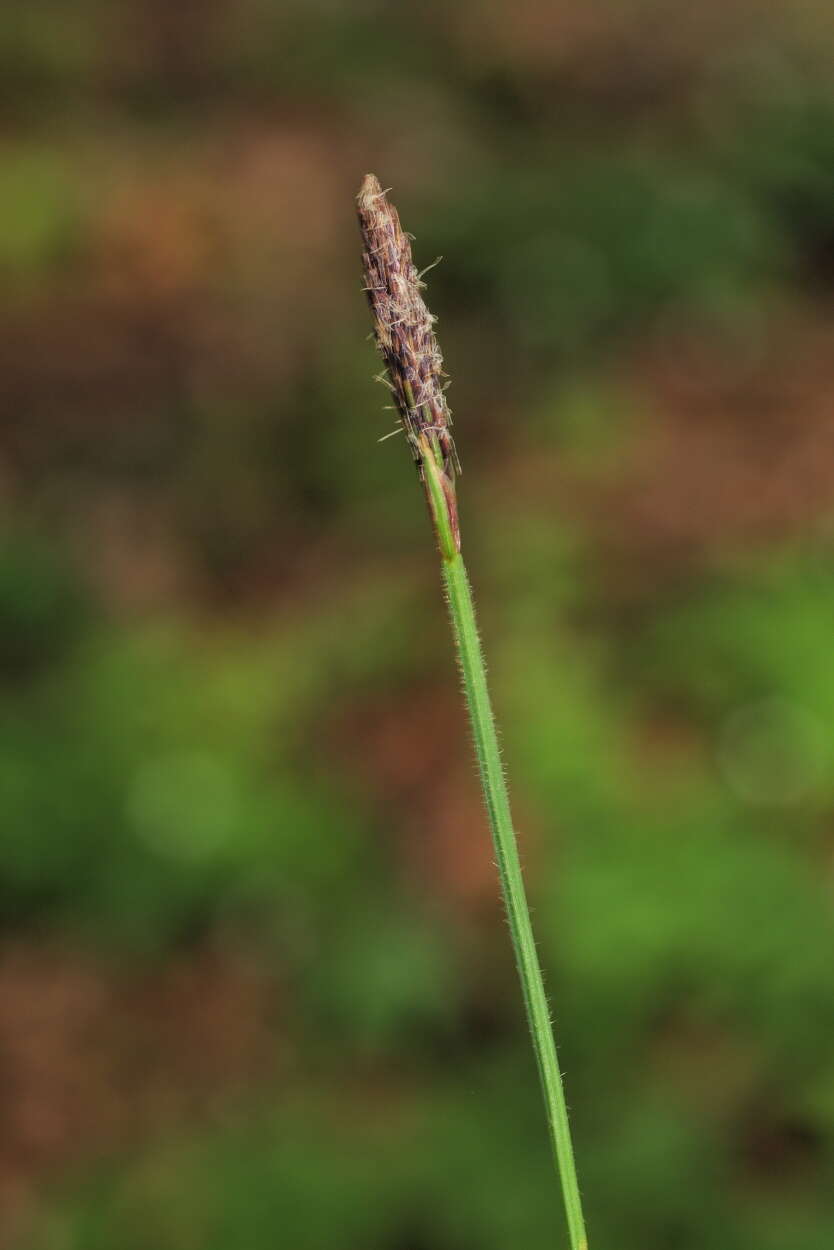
465 630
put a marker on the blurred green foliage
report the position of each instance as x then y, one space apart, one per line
225 683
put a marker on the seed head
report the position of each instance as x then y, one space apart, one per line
404 333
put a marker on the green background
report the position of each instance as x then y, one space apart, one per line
255 985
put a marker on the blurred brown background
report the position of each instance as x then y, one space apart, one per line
255 986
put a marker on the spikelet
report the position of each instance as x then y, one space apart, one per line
404 333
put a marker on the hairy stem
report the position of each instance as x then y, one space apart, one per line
464 627
404 333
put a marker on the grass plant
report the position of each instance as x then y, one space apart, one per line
404 333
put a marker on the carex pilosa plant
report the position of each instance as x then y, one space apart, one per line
404 331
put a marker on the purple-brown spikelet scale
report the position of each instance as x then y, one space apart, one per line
404 333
